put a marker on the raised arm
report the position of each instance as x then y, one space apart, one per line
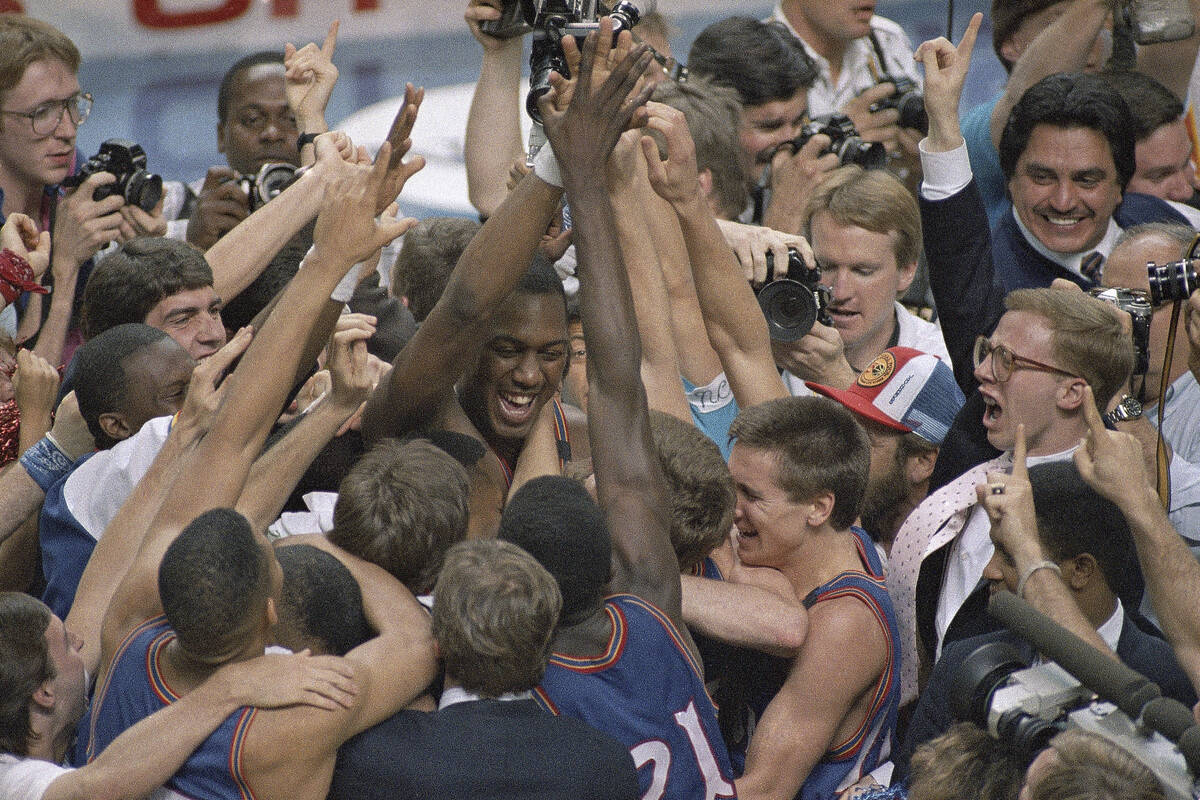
628 187
425 371
276 472
735 325
1111 463
630 486
493 138
346 232
1063 46
309 78
1014 529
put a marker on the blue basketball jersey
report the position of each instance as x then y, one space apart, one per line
647 691
870 745
134 689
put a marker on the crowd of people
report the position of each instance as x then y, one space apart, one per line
686 471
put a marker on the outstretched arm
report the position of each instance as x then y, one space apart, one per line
629 482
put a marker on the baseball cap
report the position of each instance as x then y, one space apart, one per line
906 390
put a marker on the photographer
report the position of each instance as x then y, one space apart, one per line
772 74
43 106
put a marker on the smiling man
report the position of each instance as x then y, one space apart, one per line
800 467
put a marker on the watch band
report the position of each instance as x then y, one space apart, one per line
305 138
1128 409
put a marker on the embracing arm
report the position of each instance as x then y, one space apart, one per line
146 755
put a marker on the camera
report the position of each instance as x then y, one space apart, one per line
907 99
1134 303
127 161
268 183
794 302
550 20
1027 706
844 141
1174 281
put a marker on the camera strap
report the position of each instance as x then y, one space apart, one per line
1162 465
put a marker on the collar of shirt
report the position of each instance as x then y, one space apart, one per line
457 694
857 61
1070 261
1110 631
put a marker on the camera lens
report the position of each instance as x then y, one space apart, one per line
868 155
144 190
912 112
1174 281
789 307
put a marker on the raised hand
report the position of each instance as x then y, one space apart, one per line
309 77
487 11
351 377
602 103
674 178
278 681
1111 462
1008 501
206 389
400 139
35 386
945 71
347 231
20 234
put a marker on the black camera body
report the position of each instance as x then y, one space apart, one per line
550 20
845 142
908 100
795 302
268 183
127 161
1173 281
1134 303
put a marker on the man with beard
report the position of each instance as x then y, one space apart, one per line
906 400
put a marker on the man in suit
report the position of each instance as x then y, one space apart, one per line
493 622
1087 539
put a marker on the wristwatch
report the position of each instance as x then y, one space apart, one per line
1129 408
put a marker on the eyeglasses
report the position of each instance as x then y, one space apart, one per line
1005 362
45 118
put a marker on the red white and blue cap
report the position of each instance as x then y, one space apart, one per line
906 390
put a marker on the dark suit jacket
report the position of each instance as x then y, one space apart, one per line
1149 655
971 269
483 749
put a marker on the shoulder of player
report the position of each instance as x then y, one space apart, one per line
841 626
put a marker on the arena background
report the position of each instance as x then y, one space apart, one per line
153 67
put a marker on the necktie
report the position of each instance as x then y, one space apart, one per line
935 522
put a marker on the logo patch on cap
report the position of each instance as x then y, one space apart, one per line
880 370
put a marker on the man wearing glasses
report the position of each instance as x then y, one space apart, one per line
1049 345
41 109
